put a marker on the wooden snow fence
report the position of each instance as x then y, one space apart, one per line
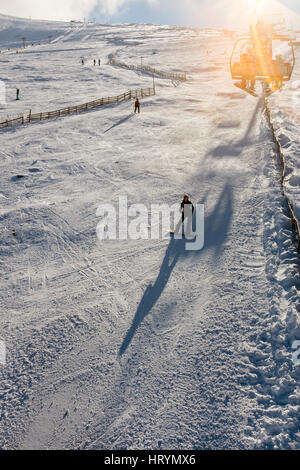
146 68
131 94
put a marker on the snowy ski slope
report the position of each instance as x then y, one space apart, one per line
140 344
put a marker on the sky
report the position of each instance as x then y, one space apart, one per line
195 13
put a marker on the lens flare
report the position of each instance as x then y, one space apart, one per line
260 57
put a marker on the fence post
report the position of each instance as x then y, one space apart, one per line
29 116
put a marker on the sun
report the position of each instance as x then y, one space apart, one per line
255 3
256 7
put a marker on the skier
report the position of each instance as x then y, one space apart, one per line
18 94
82 61
137 106
99 62
94 61
187 210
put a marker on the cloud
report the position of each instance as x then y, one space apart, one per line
110 7
197 13
212 13
53 9
63 9
223 13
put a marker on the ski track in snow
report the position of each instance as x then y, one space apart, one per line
140 344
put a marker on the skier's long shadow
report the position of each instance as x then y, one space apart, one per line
216 228
126 118
153 292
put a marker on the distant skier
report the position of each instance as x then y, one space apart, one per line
18 94
137 106
99 62
94 62
187 210
82 61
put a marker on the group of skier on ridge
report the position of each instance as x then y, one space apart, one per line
95 62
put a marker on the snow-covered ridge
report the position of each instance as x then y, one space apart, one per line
13 30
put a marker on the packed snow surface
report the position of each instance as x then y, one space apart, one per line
139 344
